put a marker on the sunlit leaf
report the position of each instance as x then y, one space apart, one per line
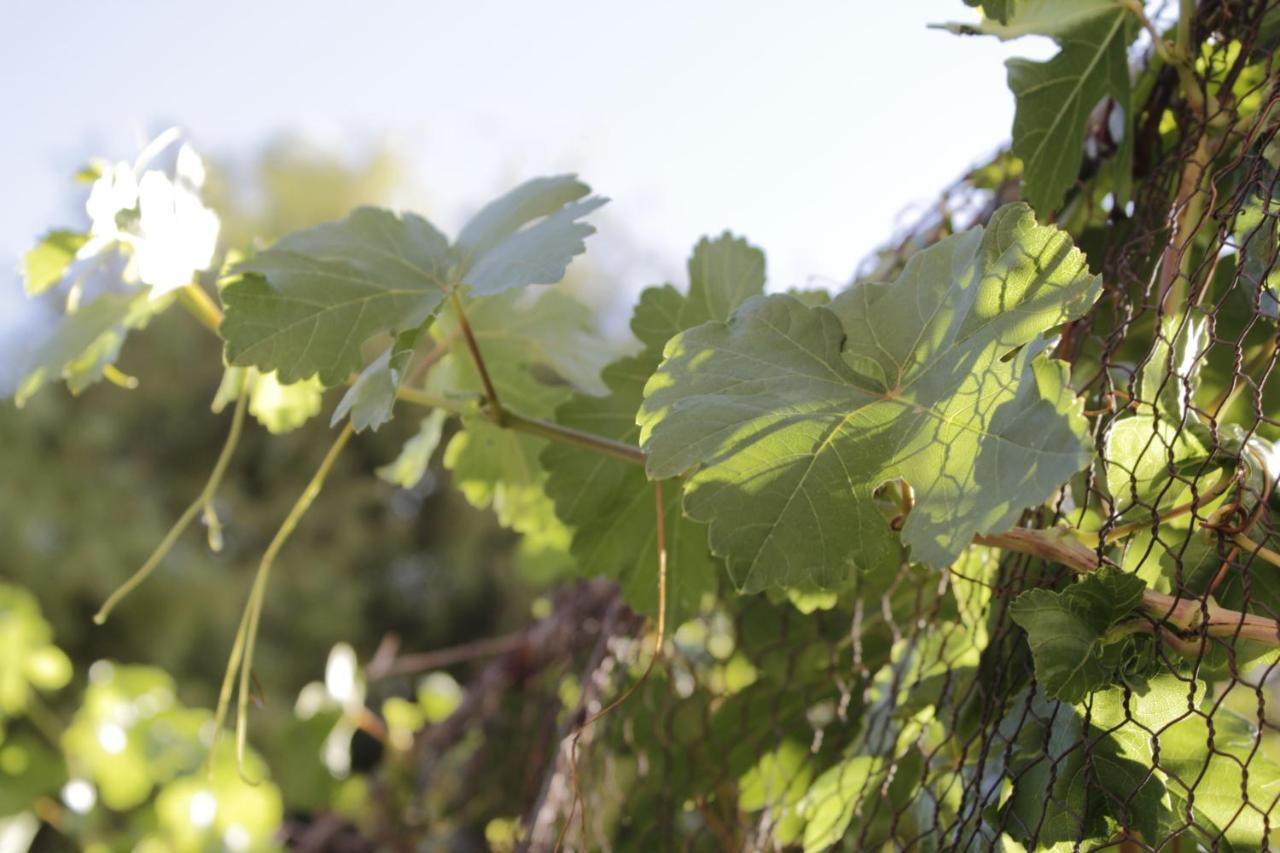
84 342
793 416
45 263
1055 98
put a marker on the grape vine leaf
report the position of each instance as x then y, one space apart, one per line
407 470
1035 17
46 262
611 504
1047 769
84 342
499 249
307 305
1171 375
1055 98
1151 462
531 348
372 397
795 415
1208 757
1067 631
284 408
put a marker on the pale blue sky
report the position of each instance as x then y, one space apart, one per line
806 125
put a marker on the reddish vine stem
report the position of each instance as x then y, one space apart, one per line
490 392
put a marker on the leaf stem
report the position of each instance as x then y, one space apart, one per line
1210 494
200 305
490 392
200 504
534 426
247 635
1257 549
431 401
575 438
1186 614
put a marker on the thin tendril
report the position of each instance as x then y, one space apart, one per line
247 635
202 504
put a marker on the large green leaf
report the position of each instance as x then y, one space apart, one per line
306 305
1055 98
311 300
794 415
1067 631
1214 764
611 504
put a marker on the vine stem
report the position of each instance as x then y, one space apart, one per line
1210 494
1187 614
247 635
534 426
202 504
490 392
200 305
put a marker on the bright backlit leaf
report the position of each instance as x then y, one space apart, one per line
45 263
1055 98
409 467
794 416
84 342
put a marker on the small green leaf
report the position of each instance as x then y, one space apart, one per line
307 304
794 416
836 798
85 342
527 236
1067 631
409 467
284 408
1257 229
370 399
1055 98
45 263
